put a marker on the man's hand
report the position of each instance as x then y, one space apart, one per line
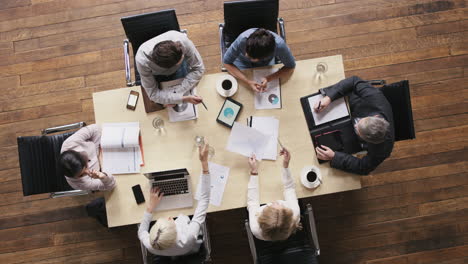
193 99
322 104
97 174
155 197
325 153
286 157
255 86
264 84
253 164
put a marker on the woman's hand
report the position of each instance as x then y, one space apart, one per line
155 197
253 164
286 157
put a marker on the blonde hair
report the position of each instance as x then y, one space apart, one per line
163 234
277 223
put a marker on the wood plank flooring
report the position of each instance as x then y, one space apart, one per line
413 209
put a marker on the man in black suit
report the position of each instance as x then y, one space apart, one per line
373 123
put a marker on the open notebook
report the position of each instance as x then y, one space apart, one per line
121 150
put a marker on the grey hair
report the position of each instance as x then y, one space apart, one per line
373 129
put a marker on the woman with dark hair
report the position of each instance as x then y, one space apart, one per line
80 161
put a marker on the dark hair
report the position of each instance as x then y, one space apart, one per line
167 53
71 163
260 44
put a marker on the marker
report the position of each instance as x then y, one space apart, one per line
204 105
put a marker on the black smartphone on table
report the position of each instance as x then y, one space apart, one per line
139 197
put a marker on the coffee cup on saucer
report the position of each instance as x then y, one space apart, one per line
311 177
226 85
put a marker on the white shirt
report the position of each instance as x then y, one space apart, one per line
88 140
148 69
253 201
187 241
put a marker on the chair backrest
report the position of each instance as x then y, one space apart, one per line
398 95
143 27
38 156
242 15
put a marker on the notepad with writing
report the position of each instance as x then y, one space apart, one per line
121 151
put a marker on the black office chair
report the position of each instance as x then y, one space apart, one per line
398 95
139 29
242 15
201 257
301 247
38 156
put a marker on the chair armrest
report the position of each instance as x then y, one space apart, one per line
253 250
62 128
144 252
184 31
206 242
313 229
282 30
222 45
377 82
128 76
68 193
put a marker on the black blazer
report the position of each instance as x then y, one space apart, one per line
364 100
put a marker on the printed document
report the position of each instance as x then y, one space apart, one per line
219 176
335 110
268 126
271 98
121 151
183 111
247 141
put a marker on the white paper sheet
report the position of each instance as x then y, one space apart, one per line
219 176
247 141
271 98
336 109
121 160
268 126
183 111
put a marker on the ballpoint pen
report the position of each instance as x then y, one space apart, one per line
281 145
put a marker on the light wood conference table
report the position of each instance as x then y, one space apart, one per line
174 147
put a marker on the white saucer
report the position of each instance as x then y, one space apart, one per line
304 180
219 87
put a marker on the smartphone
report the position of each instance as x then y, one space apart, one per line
139 198
132 100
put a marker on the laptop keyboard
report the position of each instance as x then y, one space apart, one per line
173 187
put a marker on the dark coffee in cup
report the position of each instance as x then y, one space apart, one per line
226 84
311 176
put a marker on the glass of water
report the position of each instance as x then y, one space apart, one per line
321 68
200 141
158 123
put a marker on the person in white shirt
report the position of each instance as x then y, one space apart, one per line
80 161
178 237
277 220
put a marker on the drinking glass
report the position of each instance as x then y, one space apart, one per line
158 123
321 69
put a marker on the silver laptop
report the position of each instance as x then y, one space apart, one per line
175 184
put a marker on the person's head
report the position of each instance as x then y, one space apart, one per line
167 53
277 222
372 129
260 45
163 234
73 164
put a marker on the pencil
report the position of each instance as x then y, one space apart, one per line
204 105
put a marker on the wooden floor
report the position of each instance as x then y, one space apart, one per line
413 209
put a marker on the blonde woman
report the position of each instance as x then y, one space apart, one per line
277 220
178 237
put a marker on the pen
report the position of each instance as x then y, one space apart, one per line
204 105
318 107
281 145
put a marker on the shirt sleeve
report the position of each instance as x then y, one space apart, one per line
195 67
200 212
87 133
90 184
290 191
143 233
285 55
234 50
253 204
